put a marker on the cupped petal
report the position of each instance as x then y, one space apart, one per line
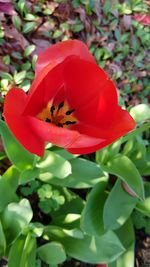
20 125
62 137
45 87
90 92
43 90
55 54
122 124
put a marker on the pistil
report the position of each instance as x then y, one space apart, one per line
59 115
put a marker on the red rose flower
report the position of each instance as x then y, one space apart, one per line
72 103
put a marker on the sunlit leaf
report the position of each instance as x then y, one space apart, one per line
124 168
52 253
23 252
53 165
118 207
92 215
15 218
19 156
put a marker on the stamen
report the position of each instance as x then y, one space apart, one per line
48 120
68 112
52 109
70 122
60 105
59 124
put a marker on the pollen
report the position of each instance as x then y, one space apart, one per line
60 115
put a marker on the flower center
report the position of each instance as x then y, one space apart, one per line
60 114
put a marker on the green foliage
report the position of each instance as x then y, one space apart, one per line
92 215
50 199
53 165
52 253
19 156
89 205
23 252
126 172
84 174
105 248
121 205
15 218
2 241
95 228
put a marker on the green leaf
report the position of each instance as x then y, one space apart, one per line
84 174
28 51
6 59
105 248
52 253
118 207
34 59
140 113
19 156
17 55
144 206
107 7
57 34
29 26
136 132
17 22
65 154
127 259
7 193
23 252
92 215
19 77
4 84
28 175
124 168
77 27
26 66
68 215
53 165
15 218
6 76
12 175
105 154
126 235
2 241
29 17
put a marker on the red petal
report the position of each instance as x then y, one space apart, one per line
122 124
83 81
20 125
55 54
44 89
45 86
91 94
62 136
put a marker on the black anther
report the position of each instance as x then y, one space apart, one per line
70 122
60 105
68 112
52 109
48 120
59 124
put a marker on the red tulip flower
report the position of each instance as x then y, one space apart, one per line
102 265
72 103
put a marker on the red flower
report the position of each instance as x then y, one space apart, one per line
71 103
